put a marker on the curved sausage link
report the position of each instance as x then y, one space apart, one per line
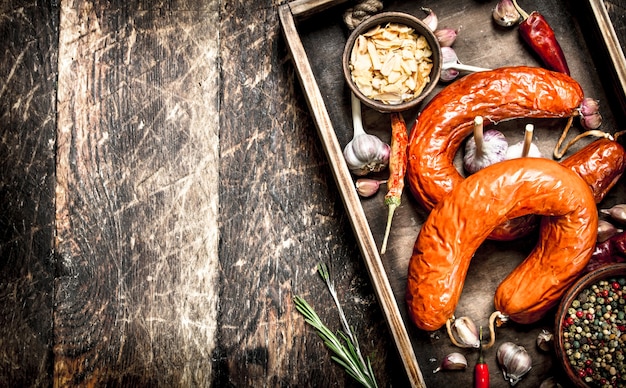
501 94
464 219
600 163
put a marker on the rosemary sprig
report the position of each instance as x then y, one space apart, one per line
348 355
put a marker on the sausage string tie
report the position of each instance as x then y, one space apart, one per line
558 153
496 319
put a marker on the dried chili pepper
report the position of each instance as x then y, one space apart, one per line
481 370
397 169
537 33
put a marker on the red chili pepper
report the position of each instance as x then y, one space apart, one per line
481 370
538 34
397 169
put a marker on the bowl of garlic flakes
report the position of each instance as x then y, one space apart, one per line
392 61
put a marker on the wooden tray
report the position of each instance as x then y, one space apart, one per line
315 35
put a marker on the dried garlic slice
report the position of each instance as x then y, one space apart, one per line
391 63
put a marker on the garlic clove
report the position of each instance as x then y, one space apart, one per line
448 75
606 230
505 14
616 212
446 36
545 340
550 382
466 331
589 106
448 55
453 361
366 187
592 121
431 20
514 361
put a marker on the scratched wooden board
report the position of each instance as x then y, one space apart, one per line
281 215
136 204
28 72
480 43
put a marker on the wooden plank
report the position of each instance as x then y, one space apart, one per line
136 217
280 216
28 70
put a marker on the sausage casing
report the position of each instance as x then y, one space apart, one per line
501 94
460 222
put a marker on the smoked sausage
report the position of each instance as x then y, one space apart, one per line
461 221
497 95
600 163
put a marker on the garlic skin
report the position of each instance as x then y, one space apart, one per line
545 340
432 21
616 212
505 14
366 153
516 151
448 55
526 147
550 382
589 106
446 36
590 117
514 361
366 187
592 121
466 331
606 230
453 361
493 150
484 148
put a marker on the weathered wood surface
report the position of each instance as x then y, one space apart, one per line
163 196
28 71
136 205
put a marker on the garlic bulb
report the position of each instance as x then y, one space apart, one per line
364 153
514 361
484 148
505 14
466 332
453 361
525 148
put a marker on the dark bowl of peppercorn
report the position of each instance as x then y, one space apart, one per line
590 338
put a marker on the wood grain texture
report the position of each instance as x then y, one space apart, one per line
281 215
28 69
136 203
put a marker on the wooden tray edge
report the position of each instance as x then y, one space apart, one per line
349 196
612 47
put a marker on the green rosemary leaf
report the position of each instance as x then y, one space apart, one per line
349 355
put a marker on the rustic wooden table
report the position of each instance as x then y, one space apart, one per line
163 196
